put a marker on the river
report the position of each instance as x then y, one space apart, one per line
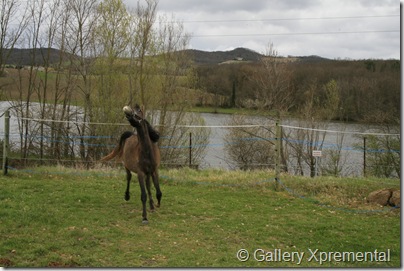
349 136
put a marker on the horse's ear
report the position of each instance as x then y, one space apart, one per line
137 108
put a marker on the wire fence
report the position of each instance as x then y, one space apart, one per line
301 150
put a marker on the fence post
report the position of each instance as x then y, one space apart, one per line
277 151
190 150
364 156
6 140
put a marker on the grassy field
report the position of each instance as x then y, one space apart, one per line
75 218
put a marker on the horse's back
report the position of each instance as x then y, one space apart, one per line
131 154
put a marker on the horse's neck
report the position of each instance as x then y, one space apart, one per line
144 140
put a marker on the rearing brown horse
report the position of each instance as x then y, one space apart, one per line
140 155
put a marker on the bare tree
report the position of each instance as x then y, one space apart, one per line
273 93
274 90
93 39
79 43
146 16
53 15
112 37
56 83
175 77
36 11
13 21
170 45
315 117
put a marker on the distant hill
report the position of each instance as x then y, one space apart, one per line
24 57
240 54
312 58
216 57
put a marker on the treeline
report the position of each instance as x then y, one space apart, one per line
110 55
366 90
313 93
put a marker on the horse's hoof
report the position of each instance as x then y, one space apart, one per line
127 197
145 221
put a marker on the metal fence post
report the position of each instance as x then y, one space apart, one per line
6 140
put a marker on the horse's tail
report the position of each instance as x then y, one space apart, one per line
118 149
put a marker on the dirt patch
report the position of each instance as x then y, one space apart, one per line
5 262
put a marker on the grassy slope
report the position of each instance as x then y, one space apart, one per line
79 218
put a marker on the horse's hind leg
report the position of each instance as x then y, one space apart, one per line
149 193
128 178
143 197
156 183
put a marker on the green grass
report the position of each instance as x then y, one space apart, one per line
72 218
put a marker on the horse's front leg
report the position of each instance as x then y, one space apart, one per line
128 178
151 203
156 183
143 196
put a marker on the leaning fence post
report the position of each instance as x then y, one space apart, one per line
6 140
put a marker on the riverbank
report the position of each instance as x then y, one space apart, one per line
266 113
220 110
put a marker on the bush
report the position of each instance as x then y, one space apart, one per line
249 147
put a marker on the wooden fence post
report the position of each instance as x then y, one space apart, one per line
190 150
364 156
277 151
6 140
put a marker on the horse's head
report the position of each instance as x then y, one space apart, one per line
135 114
138 113
136 118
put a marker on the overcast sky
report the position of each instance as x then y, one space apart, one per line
354 29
